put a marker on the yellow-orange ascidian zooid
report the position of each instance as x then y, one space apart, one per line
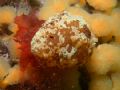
14 76
7 14
51 7
116 24
102 4
101 24
104 59
102 82
79 12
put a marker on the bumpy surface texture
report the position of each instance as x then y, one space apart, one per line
63 40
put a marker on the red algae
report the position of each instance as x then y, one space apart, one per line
40 78
28 25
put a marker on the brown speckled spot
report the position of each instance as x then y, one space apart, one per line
86 31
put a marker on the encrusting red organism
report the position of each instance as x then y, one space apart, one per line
28 25
39 78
